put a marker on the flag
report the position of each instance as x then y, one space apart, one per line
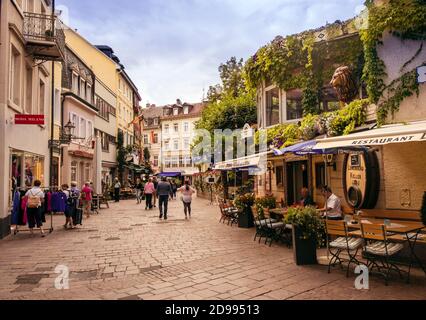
135 121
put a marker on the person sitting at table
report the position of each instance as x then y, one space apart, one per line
306 200
333 206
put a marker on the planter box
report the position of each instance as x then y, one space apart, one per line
305 251
245 220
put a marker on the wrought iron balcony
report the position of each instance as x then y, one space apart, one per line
45 36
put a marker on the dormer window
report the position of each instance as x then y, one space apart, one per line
175 111
156 122
186 110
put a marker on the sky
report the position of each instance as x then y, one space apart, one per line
172 48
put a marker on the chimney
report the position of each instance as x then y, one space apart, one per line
178 102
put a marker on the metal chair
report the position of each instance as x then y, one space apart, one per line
343 243
260 223
275 229
378 250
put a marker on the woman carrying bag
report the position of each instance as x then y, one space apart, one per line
187 192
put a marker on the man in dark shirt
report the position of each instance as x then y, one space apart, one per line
306 198
155 182
163 191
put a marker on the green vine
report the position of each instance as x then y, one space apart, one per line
405 19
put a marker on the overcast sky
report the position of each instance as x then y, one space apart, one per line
172 48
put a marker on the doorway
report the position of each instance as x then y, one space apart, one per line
297 178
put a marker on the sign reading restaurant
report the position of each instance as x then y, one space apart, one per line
388 140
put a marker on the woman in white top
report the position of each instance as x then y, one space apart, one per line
34 204
187 193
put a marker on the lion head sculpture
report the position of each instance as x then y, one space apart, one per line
344 84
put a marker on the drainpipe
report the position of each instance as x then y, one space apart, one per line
52 119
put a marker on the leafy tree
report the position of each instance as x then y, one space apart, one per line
231 74
146 155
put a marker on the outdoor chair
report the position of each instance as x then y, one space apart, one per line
228 213
378 250
275 229
340 242
260 223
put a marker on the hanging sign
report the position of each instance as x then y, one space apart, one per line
29 119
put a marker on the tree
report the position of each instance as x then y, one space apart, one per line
231 74
121 154
146 155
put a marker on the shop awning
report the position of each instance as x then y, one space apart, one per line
400 133
254 161
170 174
300 149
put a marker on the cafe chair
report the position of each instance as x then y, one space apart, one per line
261 224
228 213
274 228
341 243
378 250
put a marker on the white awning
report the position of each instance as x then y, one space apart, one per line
400 133
257 160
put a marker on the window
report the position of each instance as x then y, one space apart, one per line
87 172
176 127
167 145
187 161
156 122
89 129
279 173
74 83
29 90
186 144
175 111
82 89
75 122
294 104
166 129
155 138
186 127
42 97
155 161
89 93
145 139
57 106
176 144
167 162
320 175
185 110
74 171
15 76
175 162
272 107
83 128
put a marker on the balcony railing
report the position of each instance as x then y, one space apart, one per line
41 31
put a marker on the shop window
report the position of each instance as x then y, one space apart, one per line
294 104
320 175
16 170
279 173
15 76
34 169
272 107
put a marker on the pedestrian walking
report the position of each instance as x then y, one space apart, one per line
117 189
174 189
149 191
86 197
164 190
35 201
139 191
73 204
155 182
187 192
65 190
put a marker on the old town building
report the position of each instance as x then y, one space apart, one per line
151 134
31 38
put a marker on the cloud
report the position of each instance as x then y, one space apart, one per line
172 48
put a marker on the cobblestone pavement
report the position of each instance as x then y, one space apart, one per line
127 253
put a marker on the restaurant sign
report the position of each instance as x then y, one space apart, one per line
29 119
361 179
388 140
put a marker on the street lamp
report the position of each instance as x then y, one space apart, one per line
65 137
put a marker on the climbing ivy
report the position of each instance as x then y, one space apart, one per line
405 19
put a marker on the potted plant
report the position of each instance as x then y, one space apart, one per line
244 204
308 234
423 210
267 202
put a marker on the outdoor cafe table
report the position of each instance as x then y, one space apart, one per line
399 231
279 213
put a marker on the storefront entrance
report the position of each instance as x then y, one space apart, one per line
297 178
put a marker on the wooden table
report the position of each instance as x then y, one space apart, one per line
405 231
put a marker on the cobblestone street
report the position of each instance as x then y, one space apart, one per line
127 253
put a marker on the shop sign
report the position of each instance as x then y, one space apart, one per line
361 179
29 119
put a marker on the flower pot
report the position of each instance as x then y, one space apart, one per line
245 220
305 250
